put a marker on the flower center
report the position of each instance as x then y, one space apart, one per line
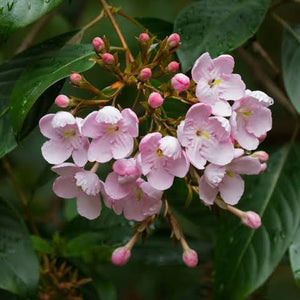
213 82
112 128
202 133
159 153
228 173
69 133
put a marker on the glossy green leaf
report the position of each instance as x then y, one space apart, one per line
18 264
216 26
9 74
41 245
290 64
37 78
15 14
294 252
245 258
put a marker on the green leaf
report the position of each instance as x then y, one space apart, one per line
290 64
41 245
15 14
294 252
37 78
9 73
245 257
216 26
18 264
158 27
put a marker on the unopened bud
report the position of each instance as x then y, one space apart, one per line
180 82
144 37
75 79
251 219
263 167
145 74
262 137
98 44
62 101
190 258
173 40
108 58
155 100
261 155
120 256
173 66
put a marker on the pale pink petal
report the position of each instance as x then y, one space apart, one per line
90 127
127 167
109 115
46 127
146 161
88 206
178 167
150 142
149 190
79 155
219 128
114 189
205 93
232 188
207 193
122 146
88 182
223 64
66 169
214 174
100 150
56 151
201 67
170 147
130 122
232 87
63 118
260 121
65 187
198 112
180 134
194 155
261 97
221 108
244 165
160 179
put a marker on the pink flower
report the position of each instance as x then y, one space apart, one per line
190 258
251 219
75 182
226 180
173 40
112 132
98 44
108 58
160 159
144 37
251 119
62 101
205 138
216 84
173 66
64 131
180 82
145 74
155 100
120 256
125 192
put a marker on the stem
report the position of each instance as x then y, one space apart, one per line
136 100
129 57
132 20
133 240
95 167
93 22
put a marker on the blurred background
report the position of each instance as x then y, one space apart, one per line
155 270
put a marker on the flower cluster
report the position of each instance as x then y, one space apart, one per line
210 146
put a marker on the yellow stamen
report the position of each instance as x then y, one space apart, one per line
68 134
202 133
159 153
228 173
112 128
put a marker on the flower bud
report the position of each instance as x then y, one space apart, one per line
262 137
263 167
144 37
155 100
173 40
75 79
251 219
120 256
173 66
108 58
190 258
62 101
261 155
145 74
98 44
180 82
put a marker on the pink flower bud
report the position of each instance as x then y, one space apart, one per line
145 74
75 79
262 137
180 82
120 256
144 37
173 40
263 167
62 101
173 66
108 58
155 100
190 258
251 219
98 44
261 155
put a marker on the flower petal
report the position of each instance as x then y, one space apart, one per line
80 154
160 179
244 165
114 189
260 121
178 167
65 187
56 151
195 156
90 127
214 174
46 127
207 193
221 108
232 188
232 87
201 66
122 146
66 169
88 206
223 64
100 150
130 122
